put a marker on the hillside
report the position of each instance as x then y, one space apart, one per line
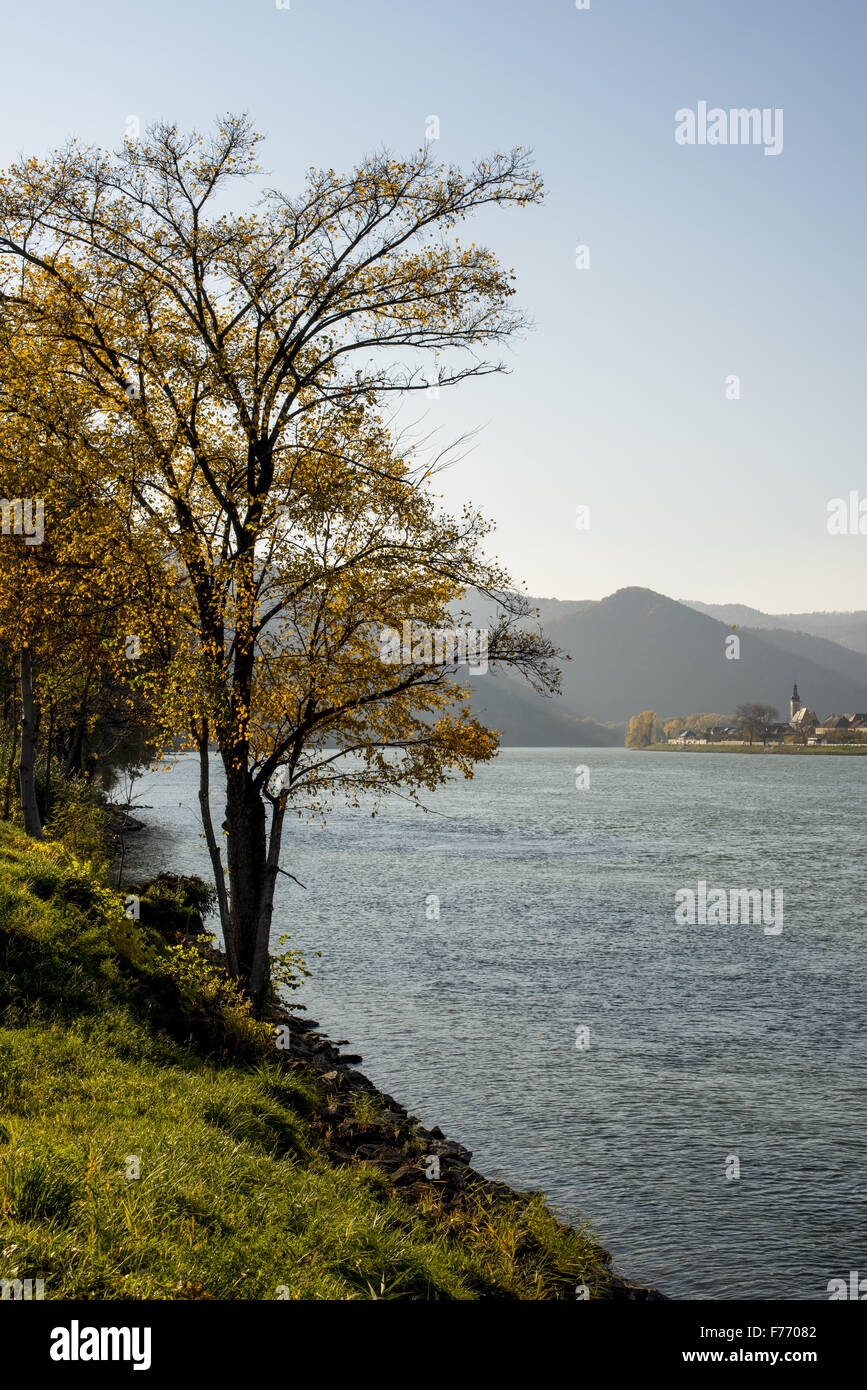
640 650
528 720
846 629
155 1144
637 649
803 646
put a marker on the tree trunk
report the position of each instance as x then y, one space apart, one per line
261 975
203 741
13 758
27 761
48 752
249 877
253 854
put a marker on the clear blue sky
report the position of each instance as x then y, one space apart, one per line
704 261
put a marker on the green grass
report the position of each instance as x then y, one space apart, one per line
123 1054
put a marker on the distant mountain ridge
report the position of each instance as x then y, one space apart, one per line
849 629
637 649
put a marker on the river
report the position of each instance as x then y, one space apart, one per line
710 1122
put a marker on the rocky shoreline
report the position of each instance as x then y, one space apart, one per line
392 1140
357 1122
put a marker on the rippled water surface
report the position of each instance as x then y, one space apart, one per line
556 910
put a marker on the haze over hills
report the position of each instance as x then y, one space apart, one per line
849 629
528 720
637 650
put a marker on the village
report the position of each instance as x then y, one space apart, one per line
755 723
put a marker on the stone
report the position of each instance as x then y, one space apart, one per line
406 1174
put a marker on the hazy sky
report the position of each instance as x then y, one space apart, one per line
705 261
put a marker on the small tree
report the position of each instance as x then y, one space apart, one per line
806 726
754 719
639 733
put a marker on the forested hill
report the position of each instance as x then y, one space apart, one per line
637 649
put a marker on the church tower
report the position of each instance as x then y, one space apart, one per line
794 703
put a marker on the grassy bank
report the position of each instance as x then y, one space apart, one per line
124 1052
838 750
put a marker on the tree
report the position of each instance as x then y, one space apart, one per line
673 727
657 733
806 722
702 723
241 360
639 733
755 719
68 591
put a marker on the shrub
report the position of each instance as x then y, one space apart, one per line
80 819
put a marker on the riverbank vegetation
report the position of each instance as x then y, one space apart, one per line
753 728
834 749
154 1143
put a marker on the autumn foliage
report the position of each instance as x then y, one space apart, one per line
233 493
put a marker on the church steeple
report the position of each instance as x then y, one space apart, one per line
795 702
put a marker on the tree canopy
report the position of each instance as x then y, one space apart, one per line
237 367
